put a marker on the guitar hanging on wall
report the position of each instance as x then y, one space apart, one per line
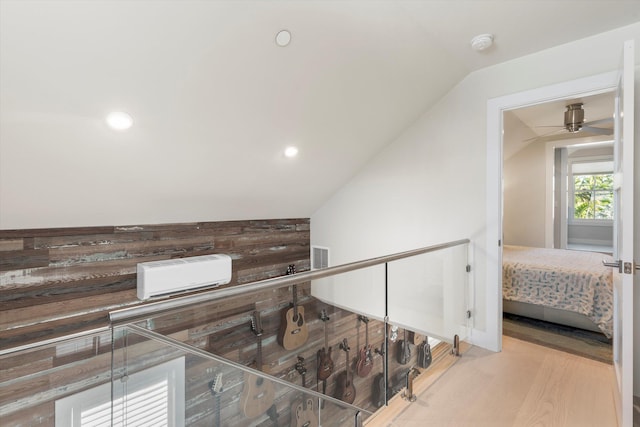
345 390
365 357
325 364
258 393
293 331
215 386
404 350
303 413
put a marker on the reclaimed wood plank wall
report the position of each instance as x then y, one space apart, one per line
58 281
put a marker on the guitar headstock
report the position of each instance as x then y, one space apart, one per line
344 345
291 269
216 384
323 315
364 319
256 323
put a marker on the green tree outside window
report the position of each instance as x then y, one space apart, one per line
593 196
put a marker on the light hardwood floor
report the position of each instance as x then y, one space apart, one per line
524 385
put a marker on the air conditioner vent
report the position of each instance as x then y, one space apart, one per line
158 278
319 257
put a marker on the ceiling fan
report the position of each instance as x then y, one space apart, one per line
574 123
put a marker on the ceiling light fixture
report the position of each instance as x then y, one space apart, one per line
283 38
482 42
119 120
291 152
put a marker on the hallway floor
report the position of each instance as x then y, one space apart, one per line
524 385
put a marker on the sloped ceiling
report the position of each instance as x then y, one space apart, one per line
215 101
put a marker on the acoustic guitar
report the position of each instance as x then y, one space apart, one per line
365 357
345 390
215 386
303 413
293 331
325 364
258 393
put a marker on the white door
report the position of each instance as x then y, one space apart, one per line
623 238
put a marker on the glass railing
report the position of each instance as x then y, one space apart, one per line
236 356
44 384
343 325
161 381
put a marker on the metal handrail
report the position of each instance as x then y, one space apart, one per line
128 315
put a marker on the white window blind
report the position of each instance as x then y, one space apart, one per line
153 397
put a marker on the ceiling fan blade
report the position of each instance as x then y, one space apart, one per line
546 135
599 121
568 136
597 131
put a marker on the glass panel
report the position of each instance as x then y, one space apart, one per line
428 293
604 205
35 383
209 391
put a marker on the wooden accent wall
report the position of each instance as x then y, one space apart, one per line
54 282
59 281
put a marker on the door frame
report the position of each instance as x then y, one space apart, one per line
592 85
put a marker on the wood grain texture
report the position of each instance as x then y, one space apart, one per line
524 385
23 259
90 271
58 281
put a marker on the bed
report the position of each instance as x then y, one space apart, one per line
561 286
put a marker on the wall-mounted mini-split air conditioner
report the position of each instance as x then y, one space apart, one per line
164 277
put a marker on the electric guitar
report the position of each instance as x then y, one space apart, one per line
404 350
365 358
424 354
345 390
325 364
215 386
293 330
303 413
258 393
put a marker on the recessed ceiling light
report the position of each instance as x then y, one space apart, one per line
482 42
291 152
119 120
283 38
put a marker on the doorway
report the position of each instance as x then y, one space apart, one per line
496 109
544 145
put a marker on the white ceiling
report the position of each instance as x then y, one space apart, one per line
215 101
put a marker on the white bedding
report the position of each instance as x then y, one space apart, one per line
563 279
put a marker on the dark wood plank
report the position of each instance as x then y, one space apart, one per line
41 232
19 260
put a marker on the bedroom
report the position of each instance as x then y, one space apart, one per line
547 165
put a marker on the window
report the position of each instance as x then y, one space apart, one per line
592 190
153 397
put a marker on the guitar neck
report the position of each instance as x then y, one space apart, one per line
295 301
366 334
218 410
347 365
259 353
326 336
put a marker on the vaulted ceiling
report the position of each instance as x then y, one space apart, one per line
215 101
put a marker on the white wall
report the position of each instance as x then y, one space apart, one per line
429 185
524 197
